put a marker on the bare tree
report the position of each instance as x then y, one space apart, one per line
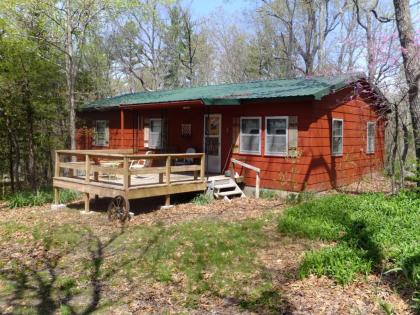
304 32
411 59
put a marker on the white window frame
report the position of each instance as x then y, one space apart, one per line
151 145
373 136
259 136
266 136
342 137
106 134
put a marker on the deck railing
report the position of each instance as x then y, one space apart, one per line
87 166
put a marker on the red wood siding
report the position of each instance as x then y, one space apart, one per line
315 169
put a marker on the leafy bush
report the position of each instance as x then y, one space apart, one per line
268 194
202 199
340 262
296 198
372 230
38 198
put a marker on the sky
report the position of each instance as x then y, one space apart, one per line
203 8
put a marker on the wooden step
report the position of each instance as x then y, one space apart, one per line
225 186
236 192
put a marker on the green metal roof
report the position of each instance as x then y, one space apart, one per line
233 94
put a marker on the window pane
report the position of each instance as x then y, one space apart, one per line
100 132
276 126
212 126
276 144
155 125
155 140
250 143
337 128
337 145
212 146
250 126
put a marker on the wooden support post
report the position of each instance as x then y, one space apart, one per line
203 167
126 176
57 165
56 195
167 200
257 185
168 170
87 169
121 128
87 202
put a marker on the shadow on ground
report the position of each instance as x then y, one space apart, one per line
137 206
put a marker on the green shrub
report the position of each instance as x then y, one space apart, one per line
341 263
296 198
372 230
38 198
202 199
268 194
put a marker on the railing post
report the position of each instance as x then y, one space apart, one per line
126 176
232 170
87 168
57 174
168 170
57 165
203 167
257 185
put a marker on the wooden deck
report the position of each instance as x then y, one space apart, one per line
108 174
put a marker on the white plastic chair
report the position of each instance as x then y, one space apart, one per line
138 164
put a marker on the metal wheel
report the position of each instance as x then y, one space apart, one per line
119 209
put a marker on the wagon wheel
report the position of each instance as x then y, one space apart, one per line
119 209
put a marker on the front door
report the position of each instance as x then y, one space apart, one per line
212 142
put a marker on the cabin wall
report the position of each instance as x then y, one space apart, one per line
315 169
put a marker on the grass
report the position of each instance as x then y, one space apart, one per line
268 194
84 266
202 199
205 257
38 198
373 231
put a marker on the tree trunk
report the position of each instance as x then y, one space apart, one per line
370 50
11 161
394 149
321 31
31 175
411 58
70 76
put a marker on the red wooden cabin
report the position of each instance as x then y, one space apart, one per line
304 134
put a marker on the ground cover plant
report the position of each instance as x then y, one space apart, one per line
369 232
63 268
222 257
38 198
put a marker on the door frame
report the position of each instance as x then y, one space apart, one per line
219 167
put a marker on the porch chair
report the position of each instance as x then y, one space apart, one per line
138 164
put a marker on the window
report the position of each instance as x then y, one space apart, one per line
370 137
101 133
337 137
250 140
155 141
276 135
